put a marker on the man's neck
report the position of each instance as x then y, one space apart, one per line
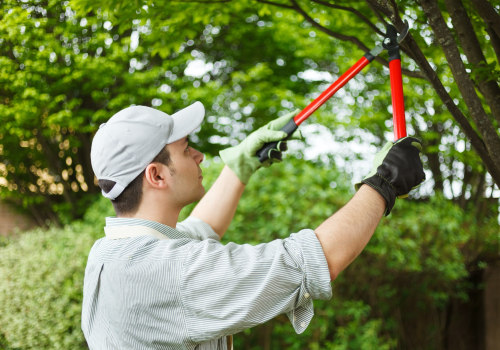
158 214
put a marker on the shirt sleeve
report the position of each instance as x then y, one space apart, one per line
197 229
228 288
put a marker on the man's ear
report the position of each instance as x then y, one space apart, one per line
156 175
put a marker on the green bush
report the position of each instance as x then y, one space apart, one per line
41 282
41 288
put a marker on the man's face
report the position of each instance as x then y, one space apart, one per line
186 179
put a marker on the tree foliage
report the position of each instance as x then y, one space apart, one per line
67 66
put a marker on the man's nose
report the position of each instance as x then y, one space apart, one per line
198 156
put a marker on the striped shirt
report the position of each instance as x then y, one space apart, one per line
190 291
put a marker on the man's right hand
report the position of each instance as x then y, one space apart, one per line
397 169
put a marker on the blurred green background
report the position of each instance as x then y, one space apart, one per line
421 283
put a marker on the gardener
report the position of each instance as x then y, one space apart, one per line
153 283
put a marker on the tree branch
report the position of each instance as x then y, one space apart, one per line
377 6
488 14
391 12
472 49
495 42
395 11
433 158
492 21
377 13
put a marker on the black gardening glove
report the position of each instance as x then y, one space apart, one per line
397 169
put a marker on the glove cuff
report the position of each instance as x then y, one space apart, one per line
382 186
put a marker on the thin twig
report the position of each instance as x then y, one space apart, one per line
275 4
325 30
356 41
202 1
295 6
350 9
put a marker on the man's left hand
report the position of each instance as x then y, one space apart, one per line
242 158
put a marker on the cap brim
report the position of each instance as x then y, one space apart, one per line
186 121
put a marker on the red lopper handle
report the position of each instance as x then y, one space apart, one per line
331 90
398 104
266 151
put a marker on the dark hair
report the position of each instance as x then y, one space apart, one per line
128 201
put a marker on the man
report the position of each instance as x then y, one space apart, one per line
153 283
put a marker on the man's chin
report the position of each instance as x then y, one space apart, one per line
202 193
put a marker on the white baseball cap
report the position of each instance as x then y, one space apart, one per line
124 146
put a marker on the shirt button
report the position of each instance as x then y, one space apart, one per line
307 295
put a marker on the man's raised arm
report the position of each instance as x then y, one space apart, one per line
396 170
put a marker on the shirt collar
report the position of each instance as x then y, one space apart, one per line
163 229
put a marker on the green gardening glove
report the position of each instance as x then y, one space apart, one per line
242 158
397 169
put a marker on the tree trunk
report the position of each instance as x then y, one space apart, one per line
485 126
472 49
